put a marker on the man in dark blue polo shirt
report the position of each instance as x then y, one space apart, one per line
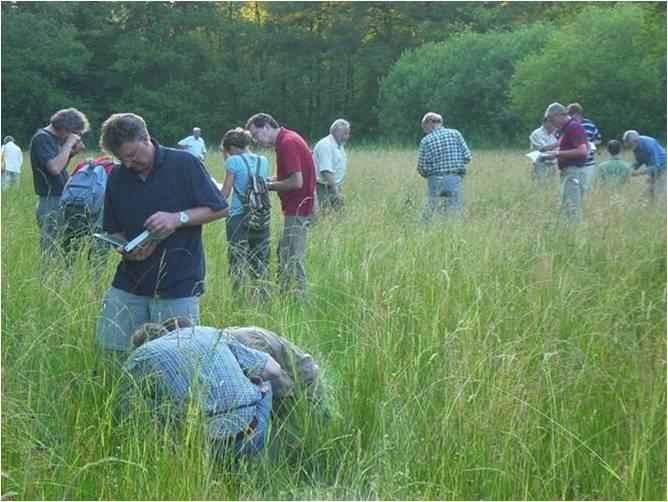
51 149
169 193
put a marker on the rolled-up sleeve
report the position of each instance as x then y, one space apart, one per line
466 153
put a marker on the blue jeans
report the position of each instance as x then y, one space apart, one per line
445 196
253 444
121 313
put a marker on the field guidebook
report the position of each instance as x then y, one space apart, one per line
129 246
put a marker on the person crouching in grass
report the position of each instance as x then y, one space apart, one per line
202 368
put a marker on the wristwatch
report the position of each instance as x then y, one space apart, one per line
184 218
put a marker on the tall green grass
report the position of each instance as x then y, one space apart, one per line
504 357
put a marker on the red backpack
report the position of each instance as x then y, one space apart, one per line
105 161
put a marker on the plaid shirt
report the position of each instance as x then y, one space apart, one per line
198 365
443 151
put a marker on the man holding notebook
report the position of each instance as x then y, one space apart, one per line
168 193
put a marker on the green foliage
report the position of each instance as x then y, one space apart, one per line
606 60
41 58
465 78
213 64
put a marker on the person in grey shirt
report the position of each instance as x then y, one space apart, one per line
51 149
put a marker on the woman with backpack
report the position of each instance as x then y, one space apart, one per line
247 225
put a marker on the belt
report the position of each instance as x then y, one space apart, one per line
248 429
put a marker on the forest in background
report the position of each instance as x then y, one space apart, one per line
489 67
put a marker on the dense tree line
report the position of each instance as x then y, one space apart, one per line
466 78
495 86
213 64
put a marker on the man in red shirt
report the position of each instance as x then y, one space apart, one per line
295 184
571 153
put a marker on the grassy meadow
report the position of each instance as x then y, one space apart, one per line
504 357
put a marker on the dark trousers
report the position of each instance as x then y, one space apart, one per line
248 253
325 197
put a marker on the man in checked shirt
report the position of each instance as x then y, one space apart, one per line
441 158
201 369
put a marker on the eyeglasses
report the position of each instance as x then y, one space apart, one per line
131 157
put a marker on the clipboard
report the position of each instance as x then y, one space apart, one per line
115 241
128 246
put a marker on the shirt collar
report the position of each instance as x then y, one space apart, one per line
159 154
281 133
570 120
333 141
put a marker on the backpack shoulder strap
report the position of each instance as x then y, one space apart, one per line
249 176
247 166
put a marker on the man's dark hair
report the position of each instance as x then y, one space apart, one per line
70 120
259 120
614 147
575 109
119 129
7 140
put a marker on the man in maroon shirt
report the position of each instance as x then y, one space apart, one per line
571 153
295 184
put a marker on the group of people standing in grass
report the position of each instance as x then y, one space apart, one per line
169 193
567 141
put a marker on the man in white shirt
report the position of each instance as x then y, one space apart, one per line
330 163
541 139
194 144
12 158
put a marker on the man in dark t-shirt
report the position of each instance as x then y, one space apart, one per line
295 184
169 193
51 149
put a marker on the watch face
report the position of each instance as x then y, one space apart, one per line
183 217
